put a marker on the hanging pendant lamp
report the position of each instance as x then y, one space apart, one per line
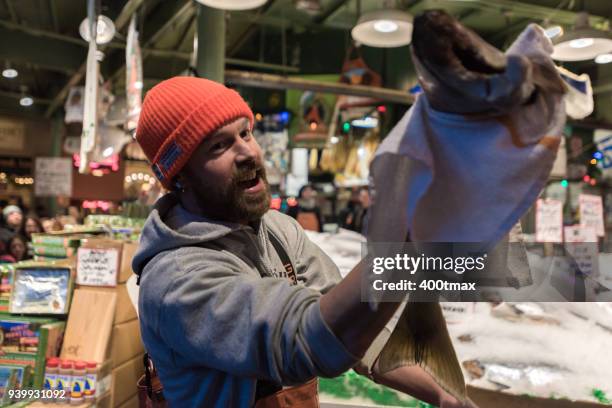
233 4
383 28
582 42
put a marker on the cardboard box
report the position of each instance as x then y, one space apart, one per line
488 398
124 309
125 271
30 340
104 401
89 325
131 403
125 342
124 380
94 266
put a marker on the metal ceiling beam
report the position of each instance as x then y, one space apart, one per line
279 22
120 22
17 95
519 9
11 11
268 81
164 20
250 31
603 88
331 10
53 12
59 55
501 35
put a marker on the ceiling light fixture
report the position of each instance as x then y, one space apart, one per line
553 31
367 122
26 101
603 58
9 72
383 28
233 4
105 29
582 42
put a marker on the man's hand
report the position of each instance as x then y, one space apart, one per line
414 381
448 401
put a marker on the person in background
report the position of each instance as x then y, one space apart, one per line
31 225
51 224
75 212
306 212
17 250
13 217
354 217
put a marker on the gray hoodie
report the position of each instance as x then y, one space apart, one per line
216 313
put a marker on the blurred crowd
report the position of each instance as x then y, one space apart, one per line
17 226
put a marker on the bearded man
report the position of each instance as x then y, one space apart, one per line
237 307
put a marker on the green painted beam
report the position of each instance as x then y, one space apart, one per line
518 9
57 54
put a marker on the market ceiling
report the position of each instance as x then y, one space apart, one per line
40 39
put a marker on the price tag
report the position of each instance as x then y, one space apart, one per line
591 213
97 266
549 220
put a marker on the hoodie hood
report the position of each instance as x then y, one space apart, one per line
170 226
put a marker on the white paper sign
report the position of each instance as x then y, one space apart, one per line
97 266
12 135
549 220
581 244
53 176
591 213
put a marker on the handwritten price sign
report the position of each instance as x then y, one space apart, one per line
591 213
549 220
97 267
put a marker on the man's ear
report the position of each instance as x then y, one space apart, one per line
180 182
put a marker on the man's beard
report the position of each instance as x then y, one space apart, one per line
231 202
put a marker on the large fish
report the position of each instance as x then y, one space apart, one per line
467 160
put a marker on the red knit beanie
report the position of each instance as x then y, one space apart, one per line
177 114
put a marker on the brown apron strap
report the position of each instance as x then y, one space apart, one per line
300 396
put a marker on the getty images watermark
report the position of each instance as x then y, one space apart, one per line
506 271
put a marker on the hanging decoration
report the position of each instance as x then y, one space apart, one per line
133 80
90 117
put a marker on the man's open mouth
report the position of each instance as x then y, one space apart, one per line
249 179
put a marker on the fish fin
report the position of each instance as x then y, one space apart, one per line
421 338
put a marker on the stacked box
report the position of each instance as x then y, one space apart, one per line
28 342
56 246
6 282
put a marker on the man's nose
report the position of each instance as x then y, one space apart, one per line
245 151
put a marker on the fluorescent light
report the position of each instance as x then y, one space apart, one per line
105 29
334 139
368 122
603 58
581 42
553 31
383 28
26 101
10 73
108 151
233 4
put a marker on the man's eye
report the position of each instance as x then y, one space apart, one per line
245 134
218 146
